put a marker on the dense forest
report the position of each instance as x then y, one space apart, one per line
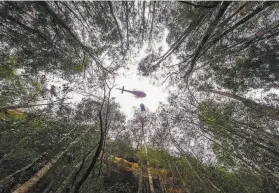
62 131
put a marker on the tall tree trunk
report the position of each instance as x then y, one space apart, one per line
95 158
23 106
192 26
152 20
190 165
252 164
127 23
207 35
117 25
10 178
69 177
213 4
182 180
161 184
43 171
143 20
76 40
269 111
5 15
151 186
56 178
218 37
140 180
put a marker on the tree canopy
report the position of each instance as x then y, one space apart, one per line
62 129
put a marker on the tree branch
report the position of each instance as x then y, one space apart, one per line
214 4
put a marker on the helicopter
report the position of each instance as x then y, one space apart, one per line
137 93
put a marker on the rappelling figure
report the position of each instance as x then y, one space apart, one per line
142 107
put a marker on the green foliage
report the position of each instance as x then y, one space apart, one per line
157 158
12 115
121 148
8 69
44 44
256 69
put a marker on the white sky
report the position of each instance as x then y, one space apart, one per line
154 93
132 81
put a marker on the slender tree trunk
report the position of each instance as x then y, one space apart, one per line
262 32
25 27
140 181
69 177
258 130
10 177
207 35
182 180
56 178
143 20
12 150
225 22
192 26
151 186
77 171
200 6
190 165
43 171
218 37
127 23
116 22
269 111
23 106
77 41
152 20
160 179
95 158
252 165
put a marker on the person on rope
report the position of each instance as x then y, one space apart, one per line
142 107
138 94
